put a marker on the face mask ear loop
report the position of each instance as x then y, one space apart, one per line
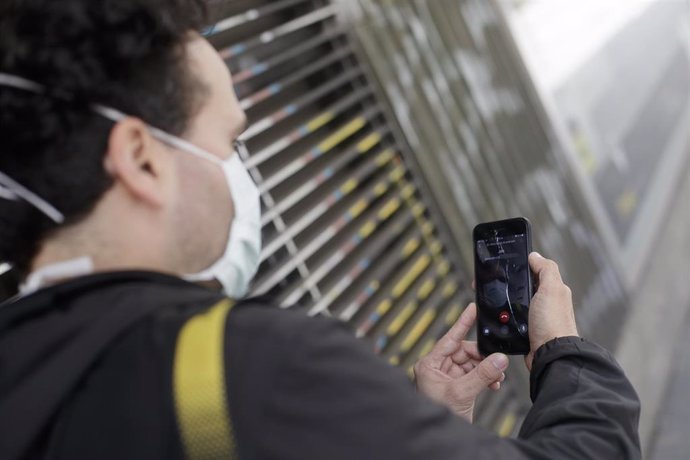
30 197
11 188
7 194
113 115
14 81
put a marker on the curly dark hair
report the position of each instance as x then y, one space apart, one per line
128 54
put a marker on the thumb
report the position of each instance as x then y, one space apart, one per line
488 371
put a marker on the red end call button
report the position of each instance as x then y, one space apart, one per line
504 316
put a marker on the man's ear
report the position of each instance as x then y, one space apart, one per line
137 161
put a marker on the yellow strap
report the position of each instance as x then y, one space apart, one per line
199 386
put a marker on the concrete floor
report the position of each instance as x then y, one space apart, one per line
655 347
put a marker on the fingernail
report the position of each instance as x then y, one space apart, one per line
500 361
537 254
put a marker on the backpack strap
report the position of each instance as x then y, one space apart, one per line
200 388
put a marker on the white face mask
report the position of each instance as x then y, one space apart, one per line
240 261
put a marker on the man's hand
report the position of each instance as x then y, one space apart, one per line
551 313
454 374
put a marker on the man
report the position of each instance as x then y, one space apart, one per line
126 212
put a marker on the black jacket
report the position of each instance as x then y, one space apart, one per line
299 388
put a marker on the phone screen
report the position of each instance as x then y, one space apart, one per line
503 284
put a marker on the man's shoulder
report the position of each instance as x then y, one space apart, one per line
262 318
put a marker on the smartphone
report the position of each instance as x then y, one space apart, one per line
504 285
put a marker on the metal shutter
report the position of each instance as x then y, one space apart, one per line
346 232
381 133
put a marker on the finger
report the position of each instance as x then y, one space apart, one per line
468 351
474 285
456 372
453 339
462 368
459 330
497 385
468 367
546 270
471 348
488 372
